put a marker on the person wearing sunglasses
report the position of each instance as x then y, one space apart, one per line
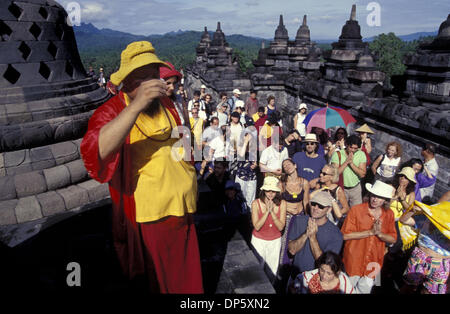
327 182
309 163
310 236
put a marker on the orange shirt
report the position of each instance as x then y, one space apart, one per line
362 256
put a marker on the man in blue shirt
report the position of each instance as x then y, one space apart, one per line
309 163
310 236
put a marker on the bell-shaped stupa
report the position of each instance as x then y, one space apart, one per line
46 101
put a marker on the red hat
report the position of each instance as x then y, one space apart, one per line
165 73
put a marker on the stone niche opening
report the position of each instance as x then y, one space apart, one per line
52 49
43 12
11 74
15 10
5 31
45 71
35 30
25 50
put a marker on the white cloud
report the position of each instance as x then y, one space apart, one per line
259 17
94 12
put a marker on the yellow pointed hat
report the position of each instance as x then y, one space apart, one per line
365 129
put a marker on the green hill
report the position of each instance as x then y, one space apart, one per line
102 48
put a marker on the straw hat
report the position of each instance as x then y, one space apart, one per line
365 129
271 184
236 91
381 189
311 137
409 173
136 55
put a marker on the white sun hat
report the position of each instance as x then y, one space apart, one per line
271 184
381 189
302 106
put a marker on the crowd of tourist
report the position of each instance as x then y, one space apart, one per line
326 215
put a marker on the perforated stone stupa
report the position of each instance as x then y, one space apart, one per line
46 101
216 66
286 62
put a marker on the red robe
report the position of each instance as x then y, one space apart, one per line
135 259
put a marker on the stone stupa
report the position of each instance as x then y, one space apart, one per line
46 101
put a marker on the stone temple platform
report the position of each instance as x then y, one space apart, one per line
38 265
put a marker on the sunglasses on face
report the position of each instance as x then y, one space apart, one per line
318 205
325 174
310 144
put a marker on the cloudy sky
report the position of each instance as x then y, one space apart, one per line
259 18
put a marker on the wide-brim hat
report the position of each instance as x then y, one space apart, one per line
365 129
236 91
136 55
166 73
311 137
302 106
271 184
409 173
381 189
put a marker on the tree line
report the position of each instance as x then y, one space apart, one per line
388 49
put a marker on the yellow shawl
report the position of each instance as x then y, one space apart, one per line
438 214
